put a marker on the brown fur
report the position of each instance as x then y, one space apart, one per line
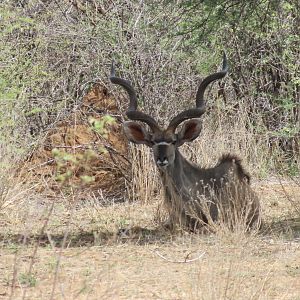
231 158
195 195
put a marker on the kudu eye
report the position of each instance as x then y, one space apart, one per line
174 140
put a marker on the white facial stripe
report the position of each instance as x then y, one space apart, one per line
163 143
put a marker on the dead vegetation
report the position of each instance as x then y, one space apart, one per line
54 249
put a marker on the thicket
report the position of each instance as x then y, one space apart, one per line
52 52
262 39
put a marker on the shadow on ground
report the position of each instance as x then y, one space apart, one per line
288 229
136 235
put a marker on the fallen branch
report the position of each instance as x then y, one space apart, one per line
186 260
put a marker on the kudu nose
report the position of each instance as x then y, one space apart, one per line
162 162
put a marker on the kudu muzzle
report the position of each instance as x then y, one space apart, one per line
162 157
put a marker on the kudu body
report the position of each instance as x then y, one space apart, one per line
193 195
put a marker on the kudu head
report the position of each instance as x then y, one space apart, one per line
165 141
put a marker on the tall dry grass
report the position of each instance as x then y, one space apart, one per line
51 244
226 133
145 185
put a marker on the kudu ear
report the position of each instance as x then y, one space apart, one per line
189 131
136 133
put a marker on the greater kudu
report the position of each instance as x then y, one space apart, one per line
193 195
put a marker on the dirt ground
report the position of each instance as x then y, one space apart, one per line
100 260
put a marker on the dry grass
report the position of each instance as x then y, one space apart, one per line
255 270
145 184
52 248
223 134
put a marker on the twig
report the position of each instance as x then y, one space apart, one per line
52 243
42 231
48 162
288 196
15 272
179 261
63 244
